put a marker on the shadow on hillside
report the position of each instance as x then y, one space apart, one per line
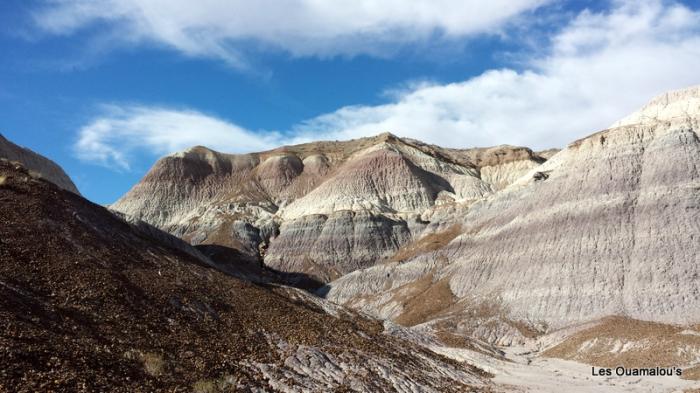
250 268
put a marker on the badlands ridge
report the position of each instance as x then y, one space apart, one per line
502 259
607 226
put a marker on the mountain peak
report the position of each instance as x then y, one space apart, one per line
197 150
386 136
676 105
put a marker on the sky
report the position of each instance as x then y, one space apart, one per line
106 87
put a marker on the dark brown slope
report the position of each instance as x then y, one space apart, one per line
89 303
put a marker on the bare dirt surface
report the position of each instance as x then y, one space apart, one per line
620 341
430 242
692 373
523 370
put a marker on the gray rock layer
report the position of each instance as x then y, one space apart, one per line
37 163
330 246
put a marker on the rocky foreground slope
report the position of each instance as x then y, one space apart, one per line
324 208
608 226
89 302
37 163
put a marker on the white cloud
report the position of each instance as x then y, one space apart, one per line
222 28
600 67
119 133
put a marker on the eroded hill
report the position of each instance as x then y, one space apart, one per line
324 208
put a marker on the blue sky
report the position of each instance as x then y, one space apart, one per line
106 87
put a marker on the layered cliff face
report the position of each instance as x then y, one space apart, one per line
323 209
98 304
38 164
607 226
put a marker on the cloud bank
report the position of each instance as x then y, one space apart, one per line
119 132
226 29
598 68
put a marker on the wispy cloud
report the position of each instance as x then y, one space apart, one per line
598 69
120 132
223 29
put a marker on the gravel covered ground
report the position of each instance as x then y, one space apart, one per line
89 303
